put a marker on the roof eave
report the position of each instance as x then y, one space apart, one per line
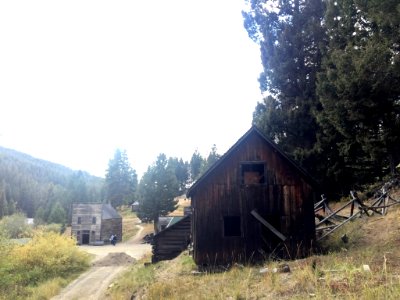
303 172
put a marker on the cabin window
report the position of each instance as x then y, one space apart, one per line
253 173
79 220
94 220
232 226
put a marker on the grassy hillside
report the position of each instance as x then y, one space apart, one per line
366 267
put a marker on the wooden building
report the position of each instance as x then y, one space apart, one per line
135 206
94 223
170 242
253 203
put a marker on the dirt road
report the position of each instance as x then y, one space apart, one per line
109 261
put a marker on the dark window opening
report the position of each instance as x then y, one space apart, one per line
253 173
79 220
232 226
94 220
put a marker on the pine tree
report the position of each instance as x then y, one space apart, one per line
212 158
57 214
181 170
11 207
358 87
290 35
196 165
77 188
158 189
3 200
121 180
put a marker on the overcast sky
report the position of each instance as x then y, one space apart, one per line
79 79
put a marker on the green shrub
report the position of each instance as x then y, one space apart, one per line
55 228
15 227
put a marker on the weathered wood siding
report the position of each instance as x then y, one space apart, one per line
88 219
109 227
86 213
285 200
170 242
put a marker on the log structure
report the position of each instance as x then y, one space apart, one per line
170 242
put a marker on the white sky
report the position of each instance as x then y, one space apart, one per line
79 79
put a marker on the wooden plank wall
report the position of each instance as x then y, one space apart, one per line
102 229
170 242
86 213
109 227
285 200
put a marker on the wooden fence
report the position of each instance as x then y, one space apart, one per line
330 220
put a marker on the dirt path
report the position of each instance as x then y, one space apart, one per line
110 260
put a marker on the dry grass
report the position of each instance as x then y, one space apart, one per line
182 203
48 289
129 222
336 274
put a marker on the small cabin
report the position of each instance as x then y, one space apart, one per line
253 203
135 206
172 240
94 223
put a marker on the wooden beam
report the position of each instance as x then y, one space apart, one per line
266 224
339 225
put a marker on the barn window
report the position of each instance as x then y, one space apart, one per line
252 173
79 220
94 220
232 226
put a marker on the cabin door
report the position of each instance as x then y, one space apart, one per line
85 237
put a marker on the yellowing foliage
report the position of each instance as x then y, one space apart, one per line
47 255
52 254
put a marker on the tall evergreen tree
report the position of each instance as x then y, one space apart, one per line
77 188
3 200
121 180
158 189
181 170
212 158
359 88
196 165
57 214
290 35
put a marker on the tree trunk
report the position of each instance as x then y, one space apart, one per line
393 161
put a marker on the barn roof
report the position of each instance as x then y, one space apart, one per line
253 130
109 212
175 223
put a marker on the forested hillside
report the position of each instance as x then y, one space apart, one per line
42 189
331 81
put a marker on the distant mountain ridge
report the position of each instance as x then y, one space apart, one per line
31 185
